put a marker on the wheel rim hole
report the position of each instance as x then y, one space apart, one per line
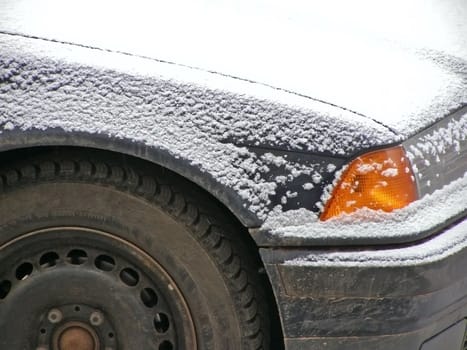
48 259
24 271
161 322
77 257
5 287
149 297
77 308
129 276
166 345
105 263
111 335
43 331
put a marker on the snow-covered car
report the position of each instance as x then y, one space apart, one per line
233 175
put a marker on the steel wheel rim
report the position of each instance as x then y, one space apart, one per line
81 257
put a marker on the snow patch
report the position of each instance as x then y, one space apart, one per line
438 248
8 126
421 215
316 178
330 168
441 141
301 216
390 172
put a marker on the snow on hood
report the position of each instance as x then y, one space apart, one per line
289 57
401 64
189 113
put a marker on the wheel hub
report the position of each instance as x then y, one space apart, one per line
105 294
76 336
76 327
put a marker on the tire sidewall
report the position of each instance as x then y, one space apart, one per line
171 243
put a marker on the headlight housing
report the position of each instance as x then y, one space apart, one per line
378 180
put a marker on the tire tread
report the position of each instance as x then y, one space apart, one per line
213 228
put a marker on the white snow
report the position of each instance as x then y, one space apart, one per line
291 218
331 167
402 64
393 77
441 141
438 248
366 168
419 216
281 179
8 126
189 113
390 172
316 178
272 159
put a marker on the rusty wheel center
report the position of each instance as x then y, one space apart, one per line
48 269
76 336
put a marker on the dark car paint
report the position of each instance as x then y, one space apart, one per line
449 166
17 139
368 307
315 312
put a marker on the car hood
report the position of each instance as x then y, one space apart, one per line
403 66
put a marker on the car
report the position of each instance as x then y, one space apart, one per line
233 175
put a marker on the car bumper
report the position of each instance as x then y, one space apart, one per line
410 297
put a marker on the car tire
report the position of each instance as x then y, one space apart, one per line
152 260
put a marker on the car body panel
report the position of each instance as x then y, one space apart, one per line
354 55
51 88
263 105
254 147
438 156
391 298
132 73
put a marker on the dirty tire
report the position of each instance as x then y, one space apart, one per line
136 216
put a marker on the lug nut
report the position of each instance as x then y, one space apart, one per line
55 316
96 318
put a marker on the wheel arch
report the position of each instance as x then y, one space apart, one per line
33 138
14 142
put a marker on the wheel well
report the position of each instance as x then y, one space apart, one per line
211 202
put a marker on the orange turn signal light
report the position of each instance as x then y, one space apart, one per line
378 180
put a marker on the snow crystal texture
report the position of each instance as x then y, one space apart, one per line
194 115
438 248
419 216
402 65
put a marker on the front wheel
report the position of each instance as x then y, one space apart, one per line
95 255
